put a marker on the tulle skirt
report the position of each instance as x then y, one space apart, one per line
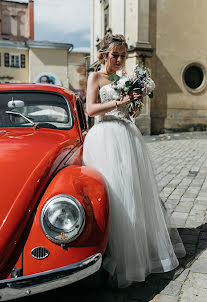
141 240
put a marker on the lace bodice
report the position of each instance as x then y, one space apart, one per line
107 93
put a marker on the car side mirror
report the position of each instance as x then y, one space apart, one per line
15 104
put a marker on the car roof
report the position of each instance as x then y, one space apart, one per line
35 86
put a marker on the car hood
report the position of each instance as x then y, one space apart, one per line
27 160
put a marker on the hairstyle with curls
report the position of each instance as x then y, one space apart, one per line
109 42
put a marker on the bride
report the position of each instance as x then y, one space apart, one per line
140 239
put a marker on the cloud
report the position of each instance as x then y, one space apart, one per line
62 19
77 38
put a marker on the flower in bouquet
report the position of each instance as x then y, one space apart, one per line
139 81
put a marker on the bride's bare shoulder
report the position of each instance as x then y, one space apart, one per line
95 78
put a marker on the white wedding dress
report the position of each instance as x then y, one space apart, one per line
140 238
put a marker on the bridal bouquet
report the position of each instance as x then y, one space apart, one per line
139 81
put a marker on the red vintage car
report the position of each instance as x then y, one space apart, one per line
54 212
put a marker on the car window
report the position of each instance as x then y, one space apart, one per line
80 112
51 110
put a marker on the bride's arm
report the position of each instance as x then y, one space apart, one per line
93 107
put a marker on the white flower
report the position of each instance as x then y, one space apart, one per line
119 86
150 84
122 81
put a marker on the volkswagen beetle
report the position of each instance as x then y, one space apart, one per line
54 212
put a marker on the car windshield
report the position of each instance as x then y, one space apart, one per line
50 110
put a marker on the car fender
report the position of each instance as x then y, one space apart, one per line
89 188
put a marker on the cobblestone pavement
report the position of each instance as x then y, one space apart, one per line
180 163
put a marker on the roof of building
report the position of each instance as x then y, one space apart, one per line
19 1
81 50
12 44
48 44
35 44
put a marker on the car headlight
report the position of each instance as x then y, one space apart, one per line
62 218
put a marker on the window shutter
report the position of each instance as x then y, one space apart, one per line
6 59
22 61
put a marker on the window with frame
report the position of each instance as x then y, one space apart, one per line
14 60
81 115
193 76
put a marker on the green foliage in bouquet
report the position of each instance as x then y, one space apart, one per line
114 78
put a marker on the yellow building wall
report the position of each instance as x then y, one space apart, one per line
52 61
12 74
180 30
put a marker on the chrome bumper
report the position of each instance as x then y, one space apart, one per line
23 286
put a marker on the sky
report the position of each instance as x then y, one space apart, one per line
65 21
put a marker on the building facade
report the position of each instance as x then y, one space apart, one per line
33 61
169 40
48 62
24 60
42 61
14 61
16 20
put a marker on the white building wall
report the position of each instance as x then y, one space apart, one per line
97 30
131 21
117 16
143 21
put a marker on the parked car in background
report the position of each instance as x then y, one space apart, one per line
54 212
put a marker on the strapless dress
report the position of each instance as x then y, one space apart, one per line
141 240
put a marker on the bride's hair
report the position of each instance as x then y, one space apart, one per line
110 42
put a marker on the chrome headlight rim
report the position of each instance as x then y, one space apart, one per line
61 236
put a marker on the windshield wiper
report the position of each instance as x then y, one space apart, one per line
22 115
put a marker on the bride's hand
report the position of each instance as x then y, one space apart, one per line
124 100
134 95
